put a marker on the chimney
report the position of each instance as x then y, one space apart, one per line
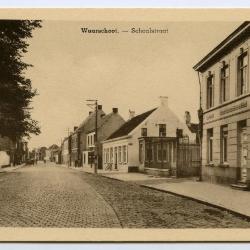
115 110
188 118
131 114
90 112
99 107
75 128
164 101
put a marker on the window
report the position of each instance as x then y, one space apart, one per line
141 158
161 152
149 152
111 155
144 132
224 143
119 154
224 84
124 154
210 91
210 145
242 74
162 130
108 155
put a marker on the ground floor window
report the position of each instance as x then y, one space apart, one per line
149 152
124 154
119 154
224 143
210 144
111 155
162 150
141 158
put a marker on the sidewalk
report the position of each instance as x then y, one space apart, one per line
9 169
217 195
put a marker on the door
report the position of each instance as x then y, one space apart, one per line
243 155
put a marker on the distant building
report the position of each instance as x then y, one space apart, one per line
225 96
65 151
12 153
106 125
146 142
54 153
7 148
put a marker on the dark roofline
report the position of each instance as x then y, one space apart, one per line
230 41
130 125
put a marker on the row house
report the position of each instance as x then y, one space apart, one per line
77 139
146 142
65 147
80 148
106 126
225 98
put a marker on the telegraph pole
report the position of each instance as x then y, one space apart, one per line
95 104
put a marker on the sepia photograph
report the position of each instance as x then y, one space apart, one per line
118 124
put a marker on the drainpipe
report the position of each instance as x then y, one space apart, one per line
200 130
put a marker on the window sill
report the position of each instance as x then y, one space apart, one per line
224 165
210 165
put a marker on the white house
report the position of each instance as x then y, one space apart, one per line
121 149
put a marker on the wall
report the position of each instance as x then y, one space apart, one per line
163 115
236 109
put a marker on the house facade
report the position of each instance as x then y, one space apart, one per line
126 149
106 126
65 151
225 101
7 148
78 139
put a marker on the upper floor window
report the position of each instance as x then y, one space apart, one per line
224 84
210 91
162 130
144 132
242 74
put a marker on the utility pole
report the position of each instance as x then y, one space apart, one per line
95 104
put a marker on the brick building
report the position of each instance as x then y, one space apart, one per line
225 100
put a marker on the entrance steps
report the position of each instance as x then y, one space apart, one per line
240 186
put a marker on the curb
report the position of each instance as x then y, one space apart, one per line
241 215
244 216
11 169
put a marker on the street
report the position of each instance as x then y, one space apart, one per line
46 195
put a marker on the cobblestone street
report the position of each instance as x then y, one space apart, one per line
54 196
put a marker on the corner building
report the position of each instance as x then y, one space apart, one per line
225 101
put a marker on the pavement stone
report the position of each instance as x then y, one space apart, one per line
48 196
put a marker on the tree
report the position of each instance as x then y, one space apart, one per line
16 92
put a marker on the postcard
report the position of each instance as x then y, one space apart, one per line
124 125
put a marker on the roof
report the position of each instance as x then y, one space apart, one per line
241 33
130 125
194 127
53 147
101 122
90 120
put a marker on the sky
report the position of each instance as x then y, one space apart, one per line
123 70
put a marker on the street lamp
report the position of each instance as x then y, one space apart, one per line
94 105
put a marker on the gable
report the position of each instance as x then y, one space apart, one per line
131 124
